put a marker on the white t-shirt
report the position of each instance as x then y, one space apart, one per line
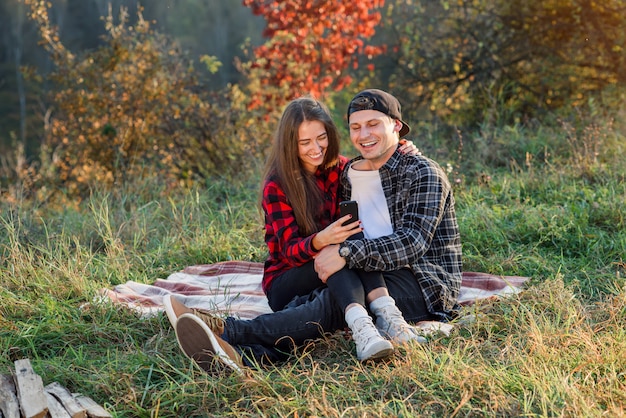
367 190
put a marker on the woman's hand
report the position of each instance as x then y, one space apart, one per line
408 147
335 233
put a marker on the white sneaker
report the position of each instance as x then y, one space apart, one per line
370 345
391 323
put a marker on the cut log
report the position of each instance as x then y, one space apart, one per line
93 409
55 409
29 388
9 406
66 399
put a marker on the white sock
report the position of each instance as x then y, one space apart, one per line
355 313
381 302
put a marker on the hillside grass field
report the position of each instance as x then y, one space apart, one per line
556 349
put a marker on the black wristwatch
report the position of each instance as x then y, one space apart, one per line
344 250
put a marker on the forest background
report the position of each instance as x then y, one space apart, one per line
78 76
132 139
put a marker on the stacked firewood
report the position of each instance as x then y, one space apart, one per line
23 395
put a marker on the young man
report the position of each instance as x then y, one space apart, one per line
410 234
409 221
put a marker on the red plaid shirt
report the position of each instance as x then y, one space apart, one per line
287 248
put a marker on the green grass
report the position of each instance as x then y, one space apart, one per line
557 349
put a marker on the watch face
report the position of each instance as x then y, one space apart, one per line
344 251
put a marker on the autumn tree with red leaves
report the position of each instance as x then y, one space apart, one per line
311 46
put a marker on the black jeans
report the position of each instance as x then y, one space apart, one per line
271 337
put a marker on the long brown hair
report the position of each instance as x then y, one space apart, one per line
284 167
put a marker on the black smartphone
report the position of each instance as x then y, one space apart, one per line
349 207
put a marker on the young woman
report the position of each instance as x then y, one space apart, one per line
300 204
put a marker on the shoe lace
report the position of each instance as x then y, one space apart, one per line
396 322
364 331
215 323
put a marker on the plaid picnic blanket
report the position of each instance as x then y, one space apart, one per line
234 288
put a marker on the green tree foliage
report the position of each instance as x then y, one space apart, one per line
132 108
474 61
18 95
27 91
214 27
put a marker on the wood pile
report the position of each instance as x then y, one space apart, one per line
23 395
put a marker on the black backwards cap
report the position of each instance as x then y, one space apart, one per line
374 99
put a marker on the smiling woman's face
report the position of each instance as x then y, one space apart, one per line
312 144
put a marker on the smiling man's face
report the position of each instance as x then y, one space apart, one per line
374 135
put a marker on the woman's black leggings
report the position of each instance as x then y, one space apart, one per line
346 286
